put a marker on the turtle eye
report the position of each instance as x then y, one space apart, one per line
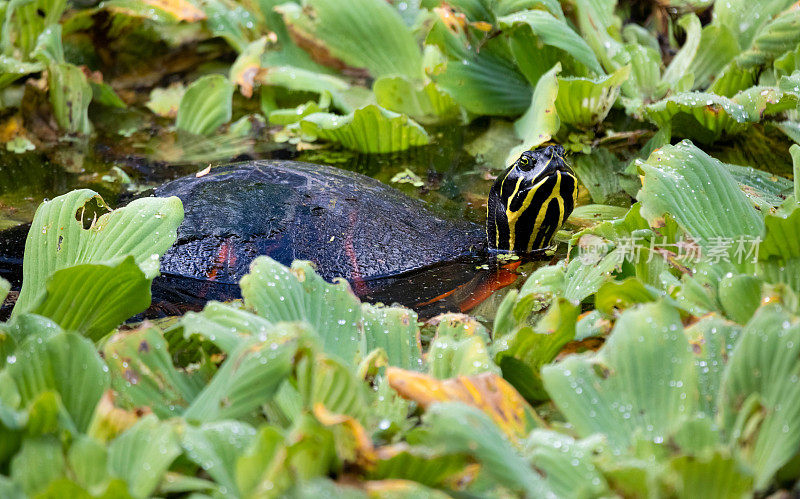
524 163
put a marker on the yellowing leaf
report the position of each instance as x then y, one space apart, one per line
488 392
157 10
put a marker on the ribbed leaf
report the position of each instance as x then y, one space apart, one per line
206 105
278 294
567 464
93 299
70 95
460 428
216 447
779 253
346 97
641 382
394 329
449 357
327 381
366 34
145 228
760 401
484 82
522 354
420 464
682 61
540 122
143 375
248 378
142 455
712 339
549 31
227 327
370 129
777 37
699 192
585 102
66 364
426 104
718 476
701 116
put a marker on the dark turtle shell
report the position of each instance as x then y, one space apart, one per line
349 225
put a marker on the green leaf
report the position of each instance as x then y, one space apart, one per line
459 428
227 326
718 46
740 296
779 252
522 354
540 122
206 105
26 20
65 363
280 294
776 37
584 277
605 178
585 102
145 228
216 447
331 383
165 101
682 61
142 373
645 77
346 97
600 27
716 476
70 95
428 104
249 377
366 34
745 19
261 470
393 329
760 399
419 464
93 299
567 464
712 340
642 382
13 69
142 454
485 82
696 115
699 192
88 460
39 462
549 31
370 129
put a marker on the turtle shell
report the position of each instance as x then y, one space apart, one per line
349 225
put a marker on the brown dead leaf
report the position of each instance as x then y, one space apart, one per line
488 392
352 441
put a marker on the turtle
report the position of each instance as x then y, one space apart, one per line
390 247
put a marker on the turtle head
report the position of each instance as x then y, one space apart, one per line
530 201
